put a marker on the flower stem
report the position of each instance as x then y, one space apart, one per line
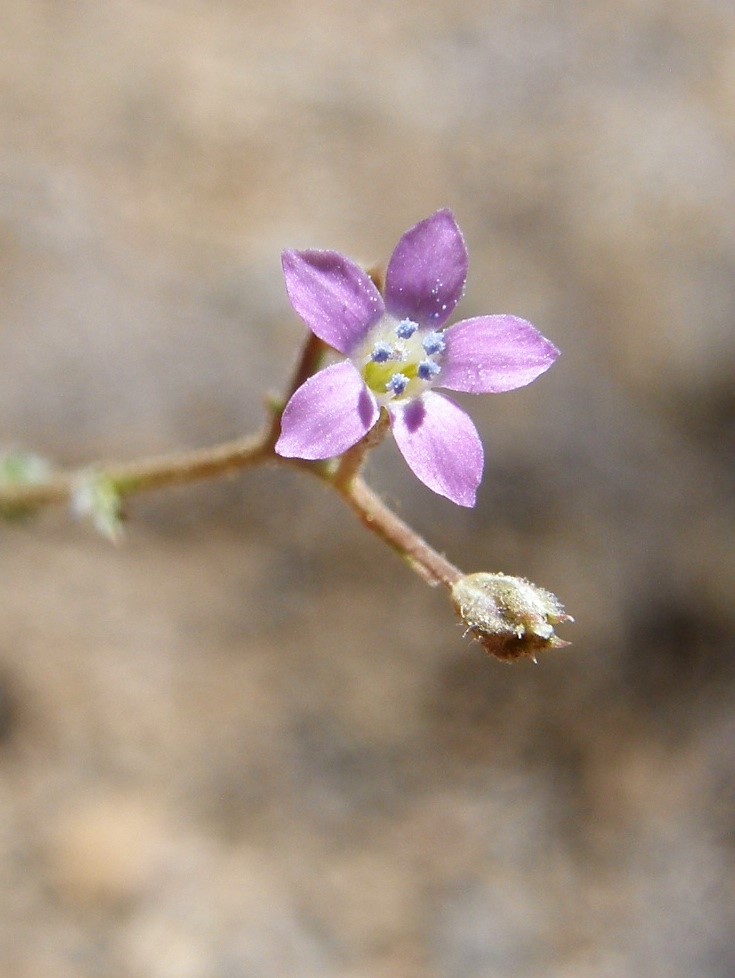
312 356
372 512
351 462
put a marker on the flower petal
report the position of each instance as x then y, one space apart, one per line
335 298
441 446
427 271
328 414
492 354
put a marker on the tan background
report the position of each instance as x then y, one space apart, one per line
250 744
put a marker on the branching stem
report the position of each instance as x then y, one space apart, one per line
181 468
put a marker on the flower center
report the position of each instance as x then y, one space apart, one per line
399 360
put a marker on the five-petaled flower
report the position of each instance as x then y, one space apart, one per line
397 351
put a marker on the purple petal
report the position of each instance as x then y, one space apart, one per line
327 415
427 271
492 354
334 297
441 446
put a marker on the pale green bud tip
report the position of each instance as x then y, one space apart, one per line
510 617
96 498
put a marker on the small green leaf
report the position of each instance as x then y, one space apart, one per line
96 498
22 469
18 469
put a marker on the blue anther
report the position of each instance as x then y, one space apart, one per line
397 384
428 369
405 329
381 353
433 343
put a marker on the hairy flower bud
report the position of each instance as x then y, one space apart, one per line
510 617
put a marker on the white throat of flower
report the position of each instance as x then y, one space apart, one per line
398 360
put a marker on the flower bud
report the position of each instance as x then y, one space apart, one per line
510 617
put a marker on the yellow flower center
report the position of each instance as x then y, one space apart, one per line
398 360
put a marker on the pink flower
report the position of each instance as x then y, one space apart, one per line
397 352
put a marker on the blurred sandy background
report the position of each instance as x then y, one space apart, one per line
250 744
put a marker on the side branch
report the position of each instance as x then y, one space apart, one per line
140 475
173 469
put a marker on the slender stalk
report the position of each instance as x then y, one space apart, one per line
372 512
352 461
311 359
157 472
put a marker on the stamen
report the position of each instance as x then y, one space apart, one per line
433 343
397 384
428 369
405 329
382 352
